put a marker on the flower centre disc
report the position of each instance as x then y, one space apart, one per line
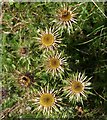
47 39
24 81
77 87
23 50
46 100
54 63
65 15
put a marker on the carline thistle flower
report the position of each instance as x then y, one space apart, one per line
49 39
54 63
77 87
24 79
23 51
66 17
46 100
23 48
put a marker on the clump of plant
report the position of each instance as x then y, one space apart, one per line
48 53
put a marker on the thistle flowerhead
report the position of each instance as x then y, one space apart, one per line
66 17
49 39
24 79
23 51
77 87
46 100
54 63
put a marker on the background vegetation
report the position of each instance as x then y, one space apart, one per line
85 48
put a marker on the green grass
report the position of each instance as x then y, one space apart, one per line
85 49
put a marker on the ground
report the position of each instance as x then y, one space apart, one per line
84 47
